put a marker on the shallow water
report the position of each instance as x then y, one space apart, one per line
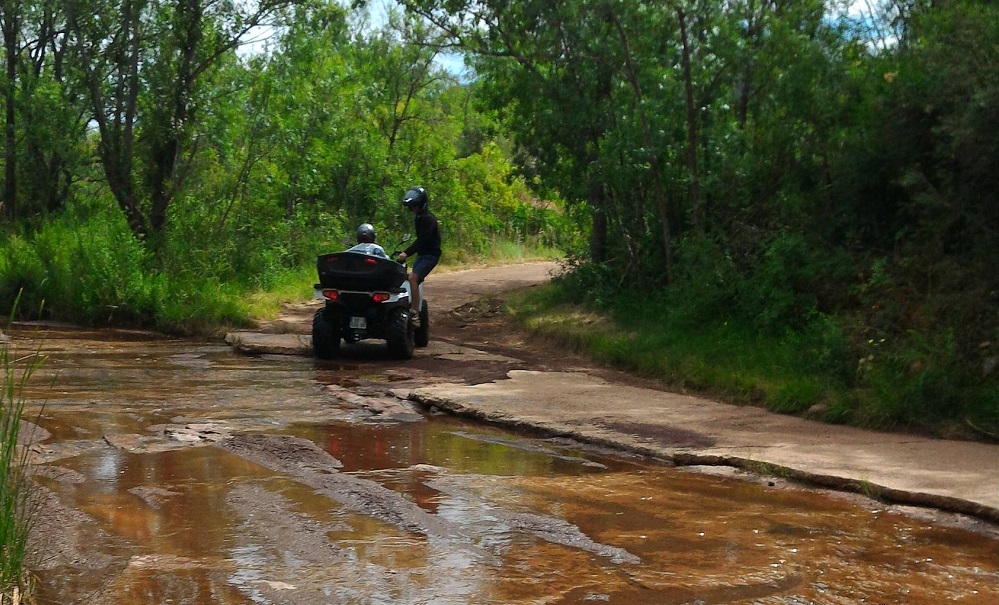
432 511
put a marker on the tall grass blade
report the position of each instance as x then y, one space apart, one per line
16 368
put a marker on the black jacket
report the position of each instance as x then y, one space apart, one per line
428 235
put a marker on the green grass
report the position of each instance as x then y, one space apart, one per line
503 252
16 367
498 252
721 358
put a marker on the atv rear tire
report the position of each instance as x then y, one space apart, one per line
421 337
399 334
325 335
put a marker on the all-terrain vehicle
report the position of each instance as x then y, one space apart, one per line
367 296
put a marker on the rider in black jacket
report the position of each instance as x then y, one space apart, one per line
427 246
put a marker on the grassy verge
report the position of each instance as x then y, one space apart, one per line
15 503
722 358
503 252
812 371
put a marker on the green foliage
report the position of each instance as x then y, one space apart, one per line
91 271
85 271
774 286
21 270
920 380
595 283
51 145
206 175
495 205
192 305
941 118
850 186
251 248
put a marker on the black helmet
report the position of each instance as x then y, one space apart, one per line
366 234
415 198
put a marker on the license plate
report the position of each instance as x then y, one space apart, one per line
358 323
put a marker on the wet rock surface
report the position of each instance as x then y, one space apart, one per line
304 462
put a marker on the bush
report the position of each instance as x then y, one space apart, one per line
91 272
21 271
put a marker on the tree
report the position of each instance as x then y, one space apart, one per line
145 64
938 125
544 68
44 119
10 16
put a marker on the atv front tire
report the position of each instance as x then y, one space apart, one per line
325 335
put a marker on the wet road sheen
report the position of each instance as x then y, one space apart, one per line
195 475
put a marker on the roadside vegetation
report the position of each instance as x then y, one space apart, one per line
791 204
788 203
815 371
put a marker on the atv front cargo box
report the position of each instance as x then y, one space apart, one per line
357 271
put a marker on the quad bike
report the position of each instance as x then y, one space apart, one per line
367 296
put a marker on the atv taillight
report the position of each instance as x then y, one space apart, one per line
331 294
370 261
380 297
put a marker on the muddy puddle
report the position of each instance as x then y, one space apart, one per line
179 472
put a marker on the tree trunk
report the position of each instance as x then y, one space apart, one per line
692 135
598 235
167 152
662 207
161 192
10 27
